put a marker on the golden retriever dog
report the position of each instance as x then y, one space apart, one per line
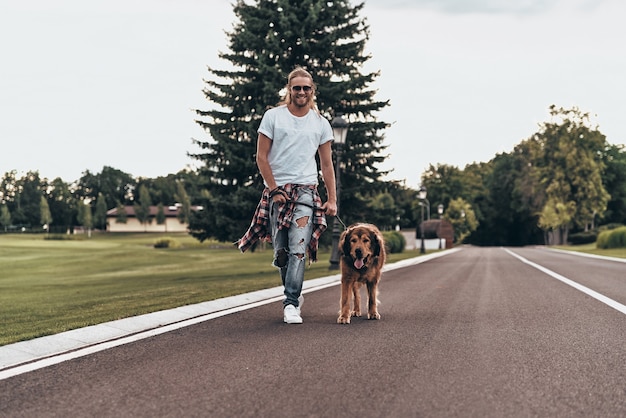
363 255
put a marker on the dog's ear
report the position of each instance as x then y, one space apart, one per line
377 242
344 243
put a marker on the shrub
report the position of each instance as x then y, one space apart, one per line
603 237
167 243
583 238
613 238
61 237
394 241
609 226
617 238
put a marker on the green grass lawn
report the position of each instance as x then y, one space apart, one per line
50 286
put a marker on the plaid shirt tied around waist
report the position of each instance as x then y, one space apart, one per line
260 226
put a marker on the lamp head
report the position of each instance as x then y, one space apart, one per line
422 193
340 129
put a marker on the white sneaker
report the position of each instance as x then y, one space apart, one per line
291 315
300 303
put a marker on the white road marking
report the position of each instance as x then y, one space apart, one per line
608 301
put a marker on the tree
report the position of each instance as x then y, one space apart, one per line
443 183
5 217
8 193
100 216
569 170
142 209
553 216
383 211
160 215
84 216
164 188
270 38
504 219
30 188
63 206
45 217
614 181
114 184
8 188
462 217
185 204
404 199
121 217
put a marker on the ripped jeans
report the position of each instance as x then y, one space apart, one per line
290 245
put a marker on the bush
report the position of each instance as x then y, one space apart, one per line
167 243
603 237
609 226
394 241
613 238
583 238
61 237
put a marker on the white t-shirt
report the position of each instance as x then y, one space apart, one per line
295 141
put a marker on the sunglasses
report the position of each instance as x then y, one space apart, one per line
298 88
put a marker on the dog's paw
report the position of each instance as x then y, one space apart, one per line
343 320
355 313
374 315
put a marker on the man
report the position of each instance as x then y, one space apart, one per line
291 210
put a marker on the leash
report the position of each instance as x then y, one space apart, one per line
341 222
313 207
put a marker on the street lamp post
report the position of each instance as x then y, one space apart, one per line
340 132
422 196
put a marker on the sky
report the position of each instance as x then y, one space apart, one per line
88 84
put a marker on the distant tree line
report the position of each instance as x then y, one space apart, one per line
32 203
562 182
564 179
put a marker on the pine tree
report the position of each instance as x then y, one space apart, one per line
160 215
270 38
121 217
142 209
100 216
182 198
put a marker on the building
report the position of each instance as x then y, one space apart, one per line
438 233
132 224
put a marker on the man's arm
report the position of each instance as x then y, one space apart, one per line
263 146
328 174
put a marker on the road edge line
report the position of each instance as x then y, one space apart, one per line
589 292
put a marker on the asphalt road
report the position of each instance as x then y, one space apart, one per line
476 333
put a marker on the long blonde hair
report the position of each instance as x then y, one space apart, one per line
299 72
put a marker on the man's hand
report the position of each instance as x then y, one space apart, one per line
279 197
330 208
